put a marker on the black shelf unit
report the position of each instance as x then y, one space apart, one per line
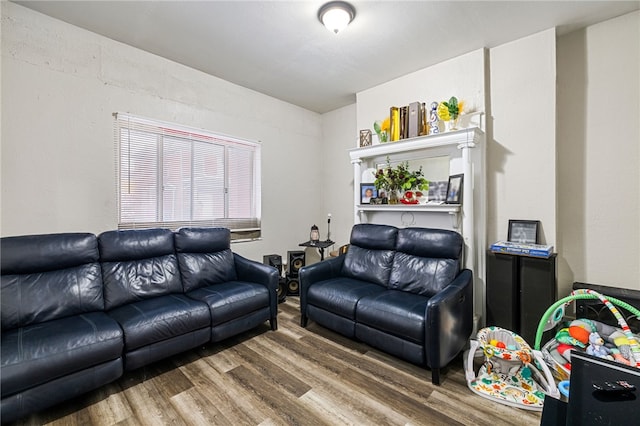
519 290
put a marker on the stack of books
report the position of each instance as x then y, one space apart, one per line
408 121
533 250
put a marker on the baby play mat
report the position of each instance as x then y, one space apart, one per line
508 374
584 335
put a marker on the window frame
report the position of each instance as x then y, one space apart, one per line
242 229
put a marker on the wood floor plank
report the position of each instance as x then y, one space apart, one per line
409 379
352 408
273 372
110 406
149 406
171 382
223 393
196 409
412 408
294 375
342 398
294 413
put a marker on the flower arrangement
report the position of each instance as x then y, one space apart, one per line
382 129
400 178
450 110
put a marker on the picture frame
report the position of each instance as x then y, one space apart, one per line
365 138
367 192
523 231
454 189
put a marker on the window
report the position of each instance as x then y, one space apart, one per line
172 176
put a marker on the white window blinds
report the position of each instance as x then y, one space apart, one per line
172 176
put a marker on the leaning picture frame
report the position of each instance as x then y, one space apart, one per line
454 189
523 231
365 138
367 192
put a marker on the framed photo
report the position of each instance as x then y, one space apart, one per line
523 231
365 138
367 192
454 189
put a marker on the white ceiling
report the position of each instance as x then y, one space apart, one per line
279 48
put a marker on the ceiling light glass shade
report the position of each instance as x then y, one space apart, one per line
336 15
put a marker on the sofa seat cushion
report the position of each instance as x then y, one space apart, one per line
231 300
160 318
395 312
38 353
340 295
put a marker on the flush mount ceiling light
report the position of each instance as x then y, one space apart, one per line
336 15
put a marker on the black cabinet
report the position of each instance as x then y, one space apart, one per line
519 290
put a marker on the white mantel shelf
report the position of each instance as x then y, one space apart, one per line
460 138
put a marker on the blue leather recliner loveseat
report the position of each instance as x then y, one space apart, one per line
399 290
79 310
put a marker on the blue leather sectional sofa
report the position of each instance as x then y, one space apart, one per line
400 290
79 310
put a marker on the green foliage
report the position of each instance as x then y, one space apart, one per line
452 106
382 136
400 178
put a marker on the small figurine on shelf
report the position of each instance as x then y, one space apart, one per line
433 119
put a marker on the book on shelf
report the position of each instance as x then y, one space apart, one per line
415 118
405 122
424 123
534 250
394 129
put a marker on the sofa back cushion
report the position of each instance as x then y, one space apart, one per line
204 257
370 254
426 260
137 265
46 277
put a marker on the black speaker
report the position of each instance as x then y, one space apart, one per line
293 285
282 290
502 291
274 260
296 261
538 290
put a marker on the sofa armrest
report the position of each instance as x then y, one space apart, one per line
255 272
321 271
449 313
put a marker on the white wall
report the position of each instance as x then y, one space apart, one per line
462 77
60 86
521 159
599 154
339 135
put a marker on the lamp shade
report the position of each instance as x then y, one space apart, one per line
336 15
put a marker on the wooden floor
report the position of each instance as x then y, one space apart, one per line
292 376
